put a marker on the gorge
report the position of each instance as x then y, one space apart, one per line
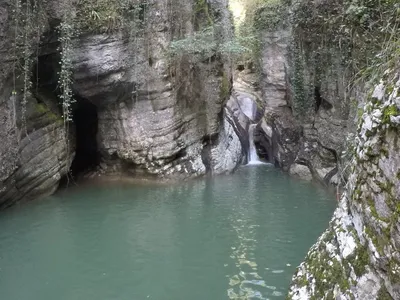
160 92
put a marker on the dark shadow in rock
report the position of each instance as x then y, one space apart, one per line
263 146
319 101
85 118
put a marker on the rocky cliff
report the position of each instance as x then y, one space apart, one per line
318 64
306 69
138 109
358 256
303 82
159 115
308 55
33 152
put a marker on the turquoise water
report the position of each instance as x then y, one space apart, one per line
230 237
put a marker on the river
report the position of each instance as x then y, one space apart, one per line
229 237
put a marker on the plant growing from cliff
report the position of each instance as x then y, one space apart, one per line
269 15
203 45
109 15
350 37
202 12
27 54
16 11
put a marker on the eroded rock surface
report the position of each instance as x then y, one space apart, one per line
156 114
34 150
358 256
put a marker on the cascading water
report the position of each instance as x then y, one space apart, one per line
253 157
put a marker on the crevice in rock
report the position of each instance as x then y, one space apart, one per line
263 146
85 119
318 98
320 102
208 142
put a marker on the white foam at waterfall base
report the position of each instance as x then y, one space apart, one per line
253 157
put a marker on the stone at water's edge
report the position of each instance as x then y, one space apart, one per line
301 171
358 257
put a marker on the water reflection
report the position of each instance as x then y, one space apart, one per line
247 282
228 237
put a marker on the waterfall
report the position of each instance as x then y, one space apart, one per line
253 157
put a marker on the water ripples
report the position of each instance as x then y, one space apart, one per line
247 284
228 237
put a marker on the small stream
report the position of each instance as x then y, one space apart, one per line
229 237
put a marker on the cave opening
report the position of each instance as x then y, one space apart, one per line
84 126
85 119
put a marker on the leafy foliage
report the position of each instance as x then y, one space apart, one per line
270 14
358 37
110 15
360 29
204 44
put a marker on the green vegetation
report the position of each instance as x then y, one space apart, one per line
356 39
327 272
271 14
383 294
394 270
388 112
359 260
42 109
325 268
259 16
202 13
224 87
66 35
110 15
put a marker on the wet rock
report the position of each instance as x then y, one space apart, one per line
301 171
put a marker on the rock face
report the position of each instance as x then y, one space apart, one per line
310 143
155 114
244 106
307 114
157 117
358 256
34 158
34 150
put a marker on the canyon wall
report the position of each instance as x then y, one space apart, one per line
304 83
139 110
342 110
358 256
329 79
33 151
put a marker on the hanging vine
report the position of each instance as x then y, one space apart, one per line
27 55
66 34
28 22
17 12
